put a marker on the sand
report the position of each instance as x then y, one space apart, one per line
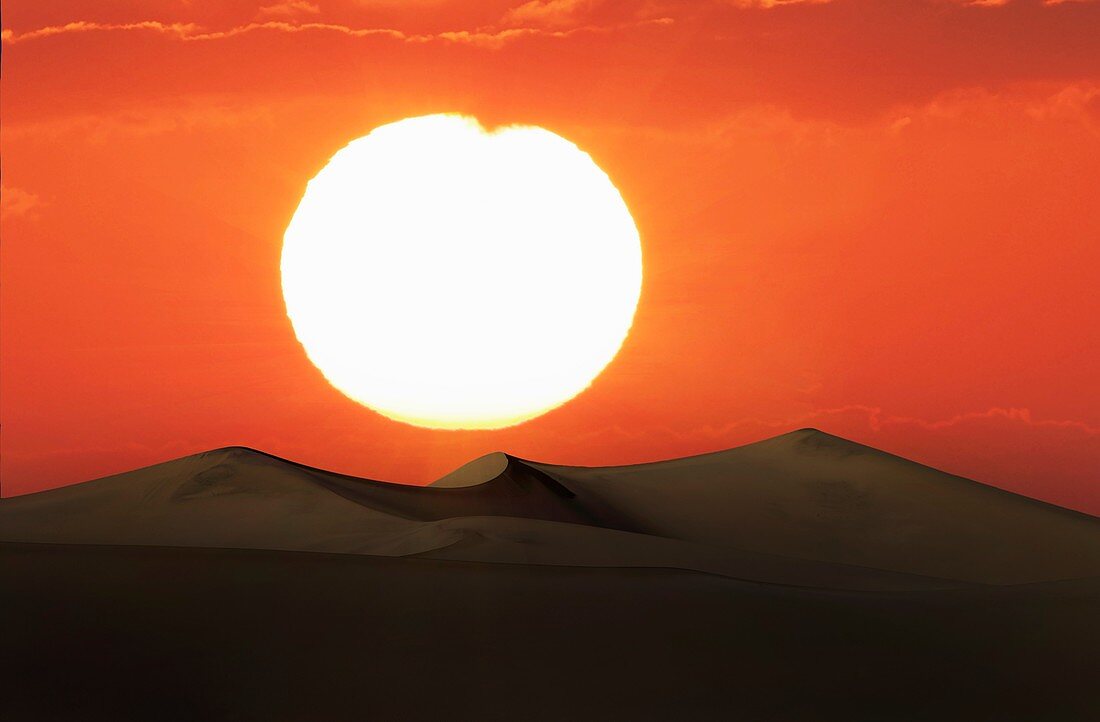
804 577
151 633
805 508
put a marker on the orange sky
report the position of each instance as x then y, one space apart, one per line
874 217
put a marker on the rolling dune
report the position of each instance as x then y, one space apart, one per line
799 578
805 508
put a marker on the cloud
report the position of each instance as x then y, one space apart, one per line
496 39
16 202
1074 103
1002 3
80 26
190 114
877 420
769 4
288 9
1063 105
548 13
189 32
858 418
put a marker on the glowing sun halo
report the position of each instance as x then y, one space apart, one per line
450 277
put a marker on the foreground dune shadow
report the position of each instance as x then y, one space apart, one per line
801 578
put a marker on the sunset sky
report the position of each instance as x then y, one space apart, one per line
874 217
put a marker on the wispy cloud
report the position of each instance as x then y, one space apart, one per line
193 32
877 419
1002 3
288 9
550 13
192 114
855 417
80 26
490 38
16 202
768 4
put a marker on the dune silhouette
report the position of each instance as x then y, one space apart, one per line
803 508
762 582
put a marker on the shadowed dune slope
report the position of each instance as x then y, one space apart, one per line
812 495
151 633
804 509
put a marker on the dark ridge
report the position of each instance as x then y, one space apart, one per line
818 440
398 498
519 491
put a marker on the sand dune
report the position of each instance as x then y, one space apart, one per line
804 509
838 583
809 494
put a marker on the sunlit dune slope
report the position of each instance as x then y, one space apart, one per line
805 509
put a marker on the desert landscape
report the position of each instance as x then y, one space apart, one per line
803 577
550 360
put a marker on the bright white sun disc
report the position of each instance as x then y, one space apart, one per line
450 277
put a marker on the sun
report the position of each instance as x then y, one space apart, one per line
452 277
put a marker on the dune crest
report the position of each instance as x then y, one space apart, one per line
473 473
805 508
